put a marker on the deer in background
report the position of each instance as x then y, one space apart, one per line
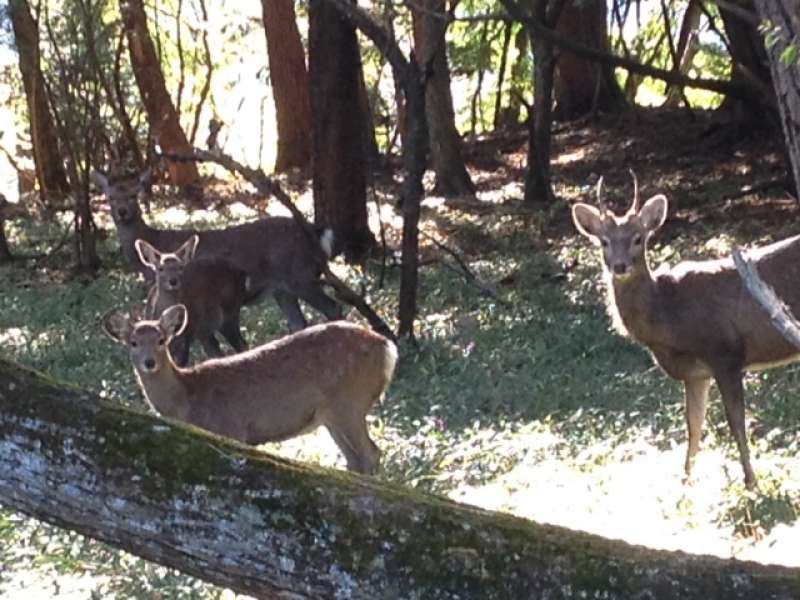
274 252
212 291
329 374
697 319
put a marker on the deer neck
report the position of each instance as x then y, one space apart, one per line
631 303
166 391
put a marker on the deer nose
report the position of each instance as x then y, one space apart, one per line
173 283
123 213
149 364
620 268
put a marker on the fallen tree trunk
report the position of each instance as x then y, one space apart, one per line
268 527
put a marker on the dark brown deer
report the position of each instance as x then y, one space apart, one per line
697 319
329 374
211 289
274 252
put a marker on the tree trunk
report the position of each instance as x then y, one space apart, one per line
289 79
538 188
161 111
46 155
452 178
5 251
338 131
785 15
275 529
685 49
750 65
580 85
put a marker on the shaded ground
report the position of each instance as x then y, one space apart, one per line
518 397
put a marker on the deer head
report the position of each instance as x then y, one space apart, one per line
123 195
147 341
623 240
167 266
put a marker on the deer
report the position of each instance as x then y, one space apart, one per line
275 252
330 374
211 289
697 319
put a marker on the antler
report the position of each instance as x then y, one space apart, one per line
635 206
600 203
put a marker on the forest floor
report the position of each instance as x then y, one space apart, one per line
519 397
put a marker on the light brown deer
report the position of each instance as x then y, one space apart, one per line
329 374
212 290
274 252
697 319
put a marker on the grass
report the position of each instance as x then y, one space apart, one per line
524 402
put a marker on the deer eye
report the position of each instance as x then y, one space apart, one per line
637 240
134 344
604 242
161 341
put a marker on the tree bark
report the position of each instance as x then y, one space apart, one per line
5 251
452 178
289 79
161 111
750 65
580 85
276 529
785 14
50 173
338 131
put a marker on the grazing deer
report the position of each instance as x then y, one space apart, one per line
274 252
697 319
329 374
212 291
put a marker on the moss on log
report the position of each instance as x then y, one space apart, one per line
272 528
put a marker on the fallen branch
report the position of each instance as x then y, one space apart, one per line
266 185
778 312
273 528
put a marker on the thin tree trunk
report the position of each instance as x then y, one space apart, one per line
289 80
5 251
785 15
274 529
686 48
339 131
452 178
580 85
161 112
50 173
501 75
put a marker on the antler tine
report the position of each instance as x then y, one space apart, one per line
635 206
600 203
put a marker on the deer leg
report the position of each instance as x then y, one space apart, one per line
316 297
233 333
696 392
351 436
730 385
210 345
290 307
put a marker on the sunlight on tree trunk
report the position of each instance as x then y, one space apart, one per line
580 85
452 178
289 79
161 112
47 158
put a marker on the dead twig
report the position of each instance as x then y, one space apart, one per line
464 270
780 314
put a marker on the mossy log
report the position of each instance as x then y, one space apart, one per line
275 529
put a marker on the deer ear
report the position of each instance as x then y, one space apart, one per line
173 320
149 256
186 252
117 326
588 220
101 181
654 212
